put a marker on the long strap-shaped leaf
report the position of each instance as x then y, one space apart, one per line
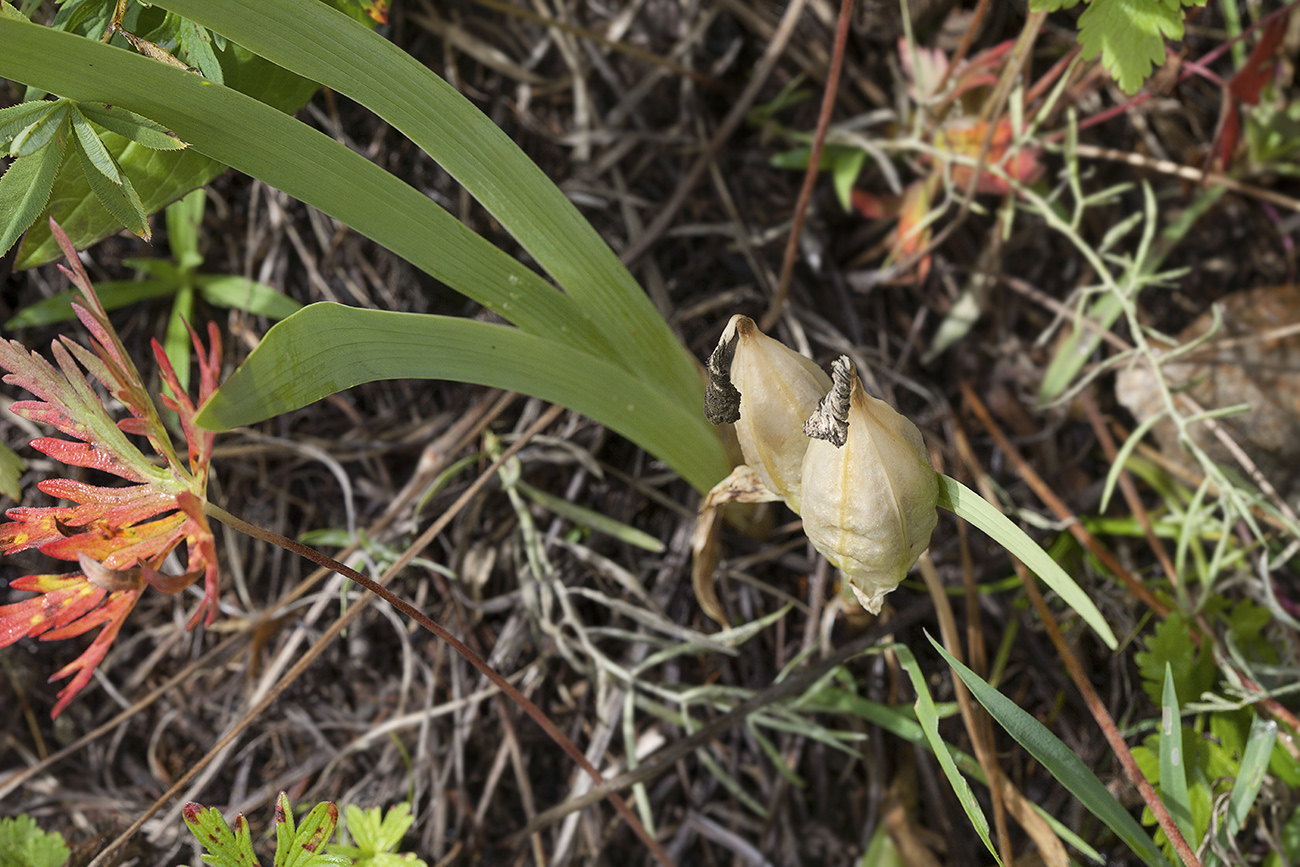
308 165
317 42
325 348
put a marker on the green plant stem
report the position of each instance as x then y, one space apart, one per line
457 645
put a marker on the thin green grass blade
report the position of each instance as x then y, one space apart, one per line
1173 771
1060 761
113 294
929 720
325 348
1254 764
119 199
965 503
592 519
237 293
325 45
1250 777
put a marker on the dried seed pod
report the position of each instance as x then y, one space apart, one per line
768 390
869 505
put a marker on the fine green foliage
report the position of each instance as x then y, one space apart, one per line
376 837
965 503
1129 35
23 844
1060 761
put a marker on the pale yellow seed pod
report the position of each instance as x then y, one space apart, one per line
768 390
870 495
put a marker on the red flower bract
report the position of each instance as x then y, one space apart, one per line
118 536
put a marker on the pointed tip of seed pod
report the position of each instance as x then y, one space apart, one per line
831 420
721 398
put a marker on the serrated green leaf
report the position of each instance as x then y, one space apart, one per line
8 11
24 844
24 190
16 118
131 126
41 132
307 844
1130 36
120 199
1170 642
1060 761
196 49
93 149
377 837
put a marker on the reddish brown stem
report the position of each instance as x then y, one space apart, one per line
457 645
814 166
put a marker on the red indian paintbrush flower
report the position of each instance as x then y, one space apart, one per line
118 536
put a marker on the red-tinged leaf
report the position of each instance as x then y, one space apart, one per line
85 455
121 547
31 527
119 536
913 233
966 138
875 207
115 612
201 548
120 506
68 599
1249 81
